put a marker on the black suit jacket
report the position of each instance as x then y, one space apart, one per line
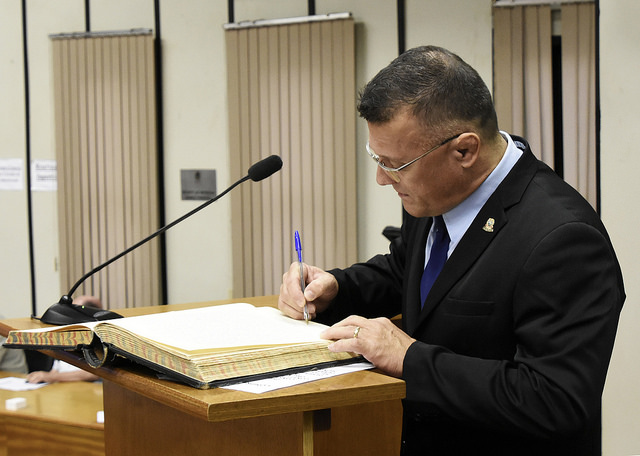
515 337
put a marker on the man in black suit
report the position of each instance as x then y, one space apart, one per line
508 352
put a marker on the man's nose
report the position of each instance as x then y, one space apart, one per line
382 178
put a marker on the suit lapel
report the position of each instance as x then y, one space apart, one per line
479 235
485 227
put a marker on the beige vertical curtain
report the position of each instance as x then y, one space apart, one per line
292 93
523 89
578 98
105 126
523 85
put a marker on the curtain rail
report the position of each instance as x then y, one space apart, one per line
512 3
131 32
286 21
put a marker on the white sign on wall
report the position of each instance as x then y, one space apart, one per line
11 174
44 177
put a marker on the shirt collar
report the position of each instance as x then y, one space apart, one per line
460 217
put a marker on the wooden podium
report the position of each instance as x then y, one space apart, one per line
353 414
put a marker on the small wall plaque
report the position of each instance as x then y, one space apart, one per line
198 184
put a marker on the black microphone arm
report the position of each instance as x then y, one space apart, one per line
257 172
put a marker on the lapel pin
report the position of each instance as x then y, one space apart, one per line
488 226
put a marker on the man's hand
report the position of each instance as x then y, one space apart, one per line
42 376
321 288
379 340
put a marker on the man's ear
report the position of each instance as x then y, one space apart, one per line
467 147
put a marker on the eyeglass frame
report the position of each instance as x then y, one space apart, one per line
394 173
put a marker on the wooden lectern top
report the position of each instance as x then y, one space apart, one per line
222 404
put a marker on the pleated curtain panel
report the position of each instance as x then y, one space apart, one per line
105 126
291 87
523 85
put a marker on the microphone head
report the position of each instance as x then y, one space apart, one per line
264 168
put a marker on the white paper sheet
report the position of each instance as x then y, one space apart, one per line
19 384
284 381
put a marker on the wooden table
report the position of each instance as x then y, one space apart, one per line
353 414
59 419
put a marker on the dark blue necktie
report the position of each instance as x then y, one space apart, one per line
437 257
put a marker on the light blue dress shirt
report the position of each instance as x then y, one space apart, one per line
460 217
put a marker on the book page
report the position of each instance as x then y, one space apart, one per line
224 326
73 327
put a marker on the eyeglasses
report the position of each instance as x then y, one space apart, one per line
394 173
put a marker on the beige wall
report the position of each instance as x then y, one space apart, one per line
14 256
195 133
195 125
620 102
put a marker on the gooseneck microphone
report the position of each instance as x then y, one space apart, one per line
262 169
64 312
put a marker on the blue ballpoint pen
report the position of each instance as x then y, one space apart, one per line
298 244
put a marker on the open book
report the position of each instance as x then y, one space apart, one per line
203 347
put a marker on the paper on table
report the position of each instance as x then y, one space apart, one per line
284 381
19 384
